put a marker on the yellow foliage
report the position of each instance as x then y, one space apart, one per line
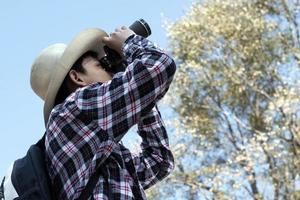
231 97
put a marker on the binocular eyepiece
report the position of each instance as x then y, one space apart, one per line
113 62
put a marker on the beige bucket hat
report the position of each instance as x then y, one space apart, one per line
54 62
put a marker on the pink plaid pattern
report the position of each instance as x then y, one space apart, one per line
85 130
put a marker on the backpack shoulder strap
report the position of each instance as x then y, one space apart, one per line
88 190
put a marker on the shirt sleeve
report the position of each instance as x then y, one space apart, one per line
156 160
119 104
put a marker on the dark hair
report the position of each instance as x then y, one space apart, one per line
64 91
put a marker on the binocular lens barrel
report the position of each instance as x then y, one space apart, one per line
140 27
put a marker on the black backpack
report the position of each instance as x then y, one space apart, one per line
31 180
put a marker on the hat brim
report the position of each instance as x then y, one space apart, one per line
87 40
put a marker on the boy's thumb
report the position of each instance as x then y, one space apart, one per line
105 39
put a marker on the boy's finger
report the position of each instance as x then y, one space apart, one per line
105 39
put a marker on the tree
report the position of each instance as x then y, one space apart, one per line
237 101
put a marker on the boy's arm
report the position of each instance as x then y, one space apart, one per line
156 160
118 104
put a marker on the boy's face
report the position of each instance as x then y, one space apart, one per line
94 72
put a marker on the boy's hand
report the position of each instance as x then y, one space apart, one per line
116 39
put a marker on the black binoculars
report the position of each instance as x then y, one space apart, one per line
113 62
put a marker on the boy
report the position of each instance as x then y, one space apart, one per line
87 111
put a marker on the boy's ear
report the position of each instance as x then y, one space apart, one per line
76 78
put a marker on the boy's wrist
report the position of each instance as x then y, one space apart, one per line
133 44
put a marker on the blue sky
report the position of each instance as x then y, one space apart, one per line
26 27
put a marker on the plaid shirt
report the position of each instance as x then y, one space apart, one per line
85 130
